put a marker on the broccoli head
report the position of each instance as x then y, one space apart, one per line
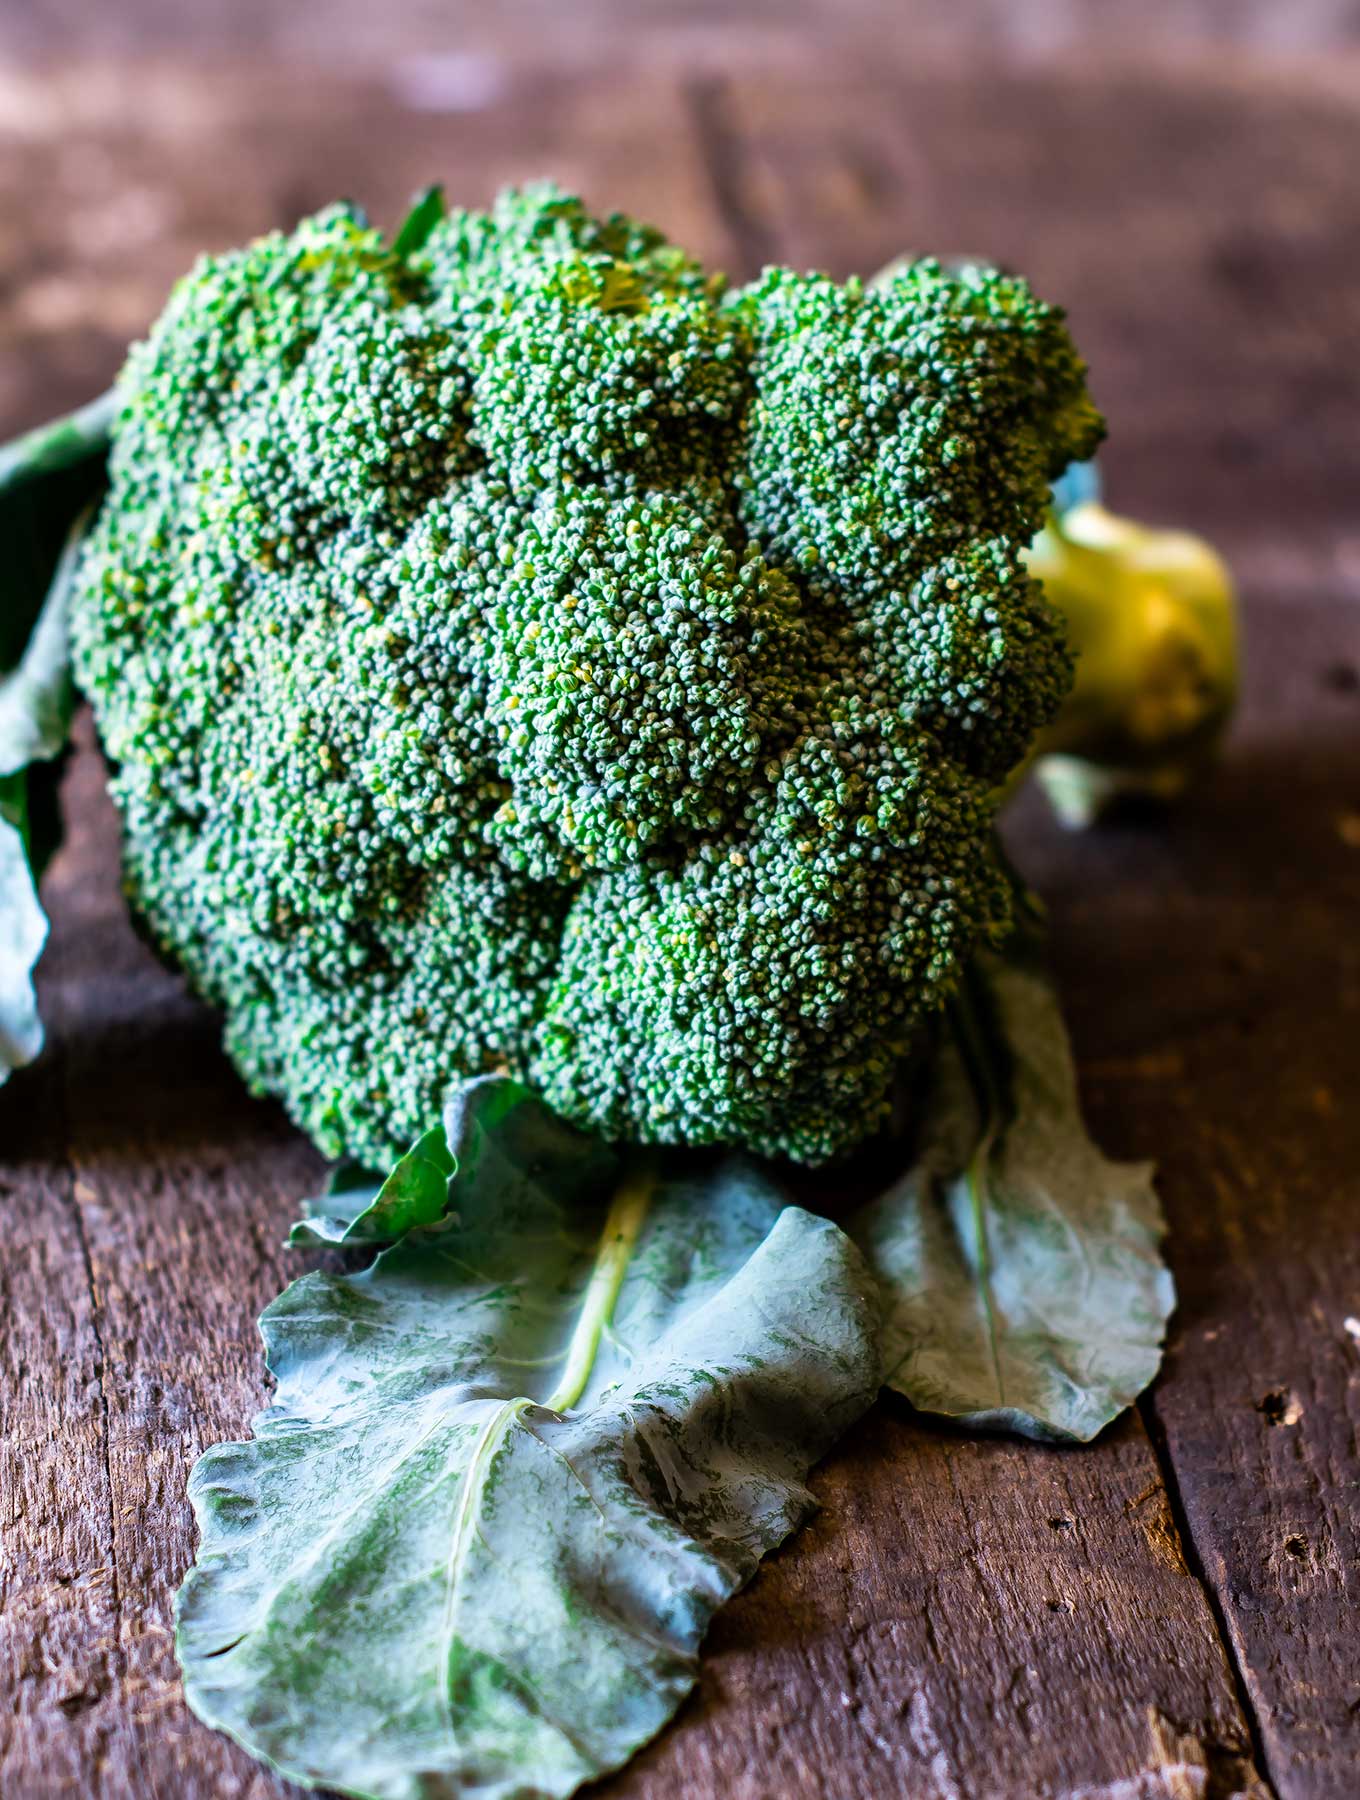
518 649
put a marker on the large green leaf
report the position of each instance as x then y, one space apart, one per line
512 1468
1023 1286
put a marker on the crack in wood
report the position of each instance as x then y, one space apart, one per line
1256 1765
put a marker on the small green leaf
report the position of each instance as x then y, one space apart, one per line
513 1468
355 1210
350 1192
427 210
1022 1281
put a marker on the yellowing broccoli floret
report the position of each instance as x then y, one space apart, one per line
519 650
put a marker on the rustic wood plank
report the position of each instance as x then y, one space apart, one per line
1238 1041
966 1618
58 1598
181 1188
932 1592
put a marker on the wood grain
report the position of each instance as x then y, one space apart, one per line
1235 1043
59 1606
168 1192
967 1620
1259 1408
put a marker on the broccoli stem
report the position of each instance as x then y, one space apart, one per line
618 1240
1151 615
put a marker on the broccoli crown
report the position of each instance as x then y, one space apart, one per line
523 650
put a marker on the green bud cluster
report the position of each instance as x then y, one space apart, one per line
522 650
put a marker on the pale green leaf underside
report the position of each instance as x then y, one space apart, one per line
1023 1285
419 1578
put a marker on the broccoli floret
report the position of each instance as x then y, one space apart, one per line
522 650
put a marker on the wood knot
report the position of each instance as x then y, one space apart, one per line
1280 1407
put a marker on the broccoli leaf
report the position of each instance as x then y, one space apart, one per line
513 1468
1023 1287
37 695
358 1209
47 478
23 932
36 698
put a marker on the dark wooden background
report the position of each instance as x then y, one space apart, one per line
1169 1615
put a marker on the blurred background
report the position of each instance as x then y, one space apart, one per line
1179 173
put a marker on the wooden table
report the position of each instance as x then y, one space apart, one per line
1168 1613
